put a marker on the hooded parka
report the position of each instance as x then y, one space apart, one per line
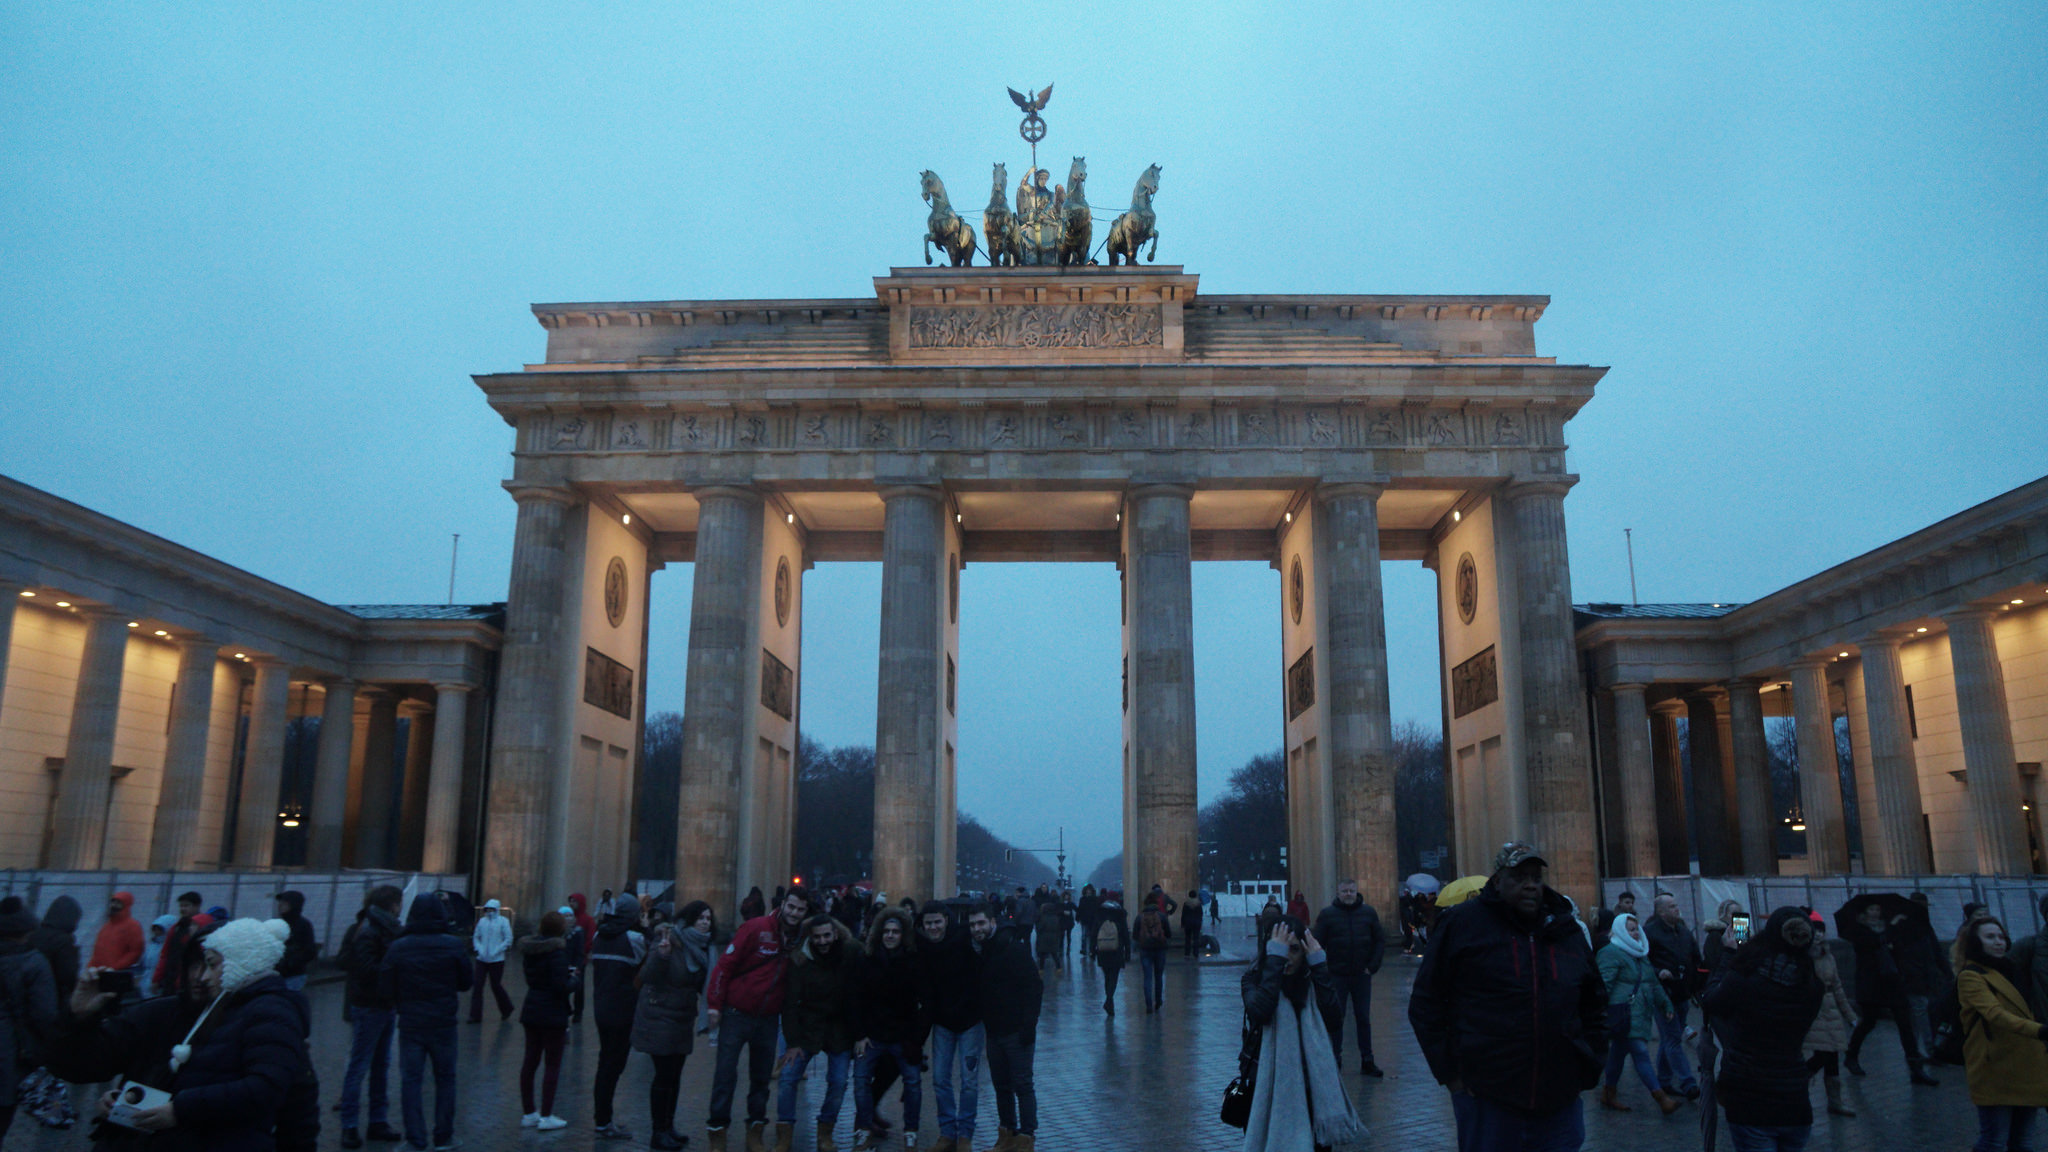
818 1013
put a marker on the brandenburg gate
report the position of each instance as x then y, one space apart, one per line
978 415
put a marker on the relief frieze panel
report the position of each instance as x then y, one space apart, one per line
1038 326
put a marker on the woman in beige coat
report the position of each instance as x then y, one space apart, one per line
2003 1053
1830 1031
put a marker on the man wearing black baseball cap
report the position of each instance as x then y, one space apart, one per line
1510 1011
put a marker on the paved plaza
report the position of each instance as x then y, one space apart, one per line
1131 1081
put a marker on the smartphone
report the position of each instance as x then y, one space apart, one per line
1738 928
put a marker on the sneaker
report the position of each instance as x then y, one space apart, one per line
910 1142
1371 1069
551 1123
529 1120
614 1131
666 1141
448 1145
350 1138
384 1133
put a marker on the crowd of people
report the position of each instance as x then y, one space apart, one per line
197 1025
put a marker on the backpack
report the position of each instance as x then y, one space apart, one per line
1152 927
1106 938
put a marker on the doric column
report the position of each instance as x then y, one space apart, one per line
1717 847
1638 779
1674 829
909 694
1559 771
377 810
412 807
444 792
10 601
1163 689
1361 727
80 827
1993 778
1895 777
527 736
263 763
1820 774
330 776
1755 817
725 608
174 840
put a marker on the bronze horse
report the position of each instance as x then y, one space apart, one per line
1077 225
1133 228
945 227
999 224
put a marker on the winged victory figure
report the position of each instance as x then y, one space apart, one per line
1031 104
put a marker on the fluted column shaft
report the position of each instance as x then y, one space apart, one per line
1162 689
1718 852
527 737
378 810
725 601
412 807
174 838
1638 774
263 764
1361 727
908 690
1674 826
10 602
1757 821
1820 773
444 789
82 788
1895 776
330 777
1559 770
1988 755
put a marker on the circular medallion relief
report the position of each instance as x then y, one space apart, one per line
953 588
1297 590
1467 588
782 592
615 591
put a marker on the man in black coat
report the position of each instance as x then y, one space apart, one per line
300 948
948 970
614 960
371 1016
425 972
1675 955
1511 1013
1010 993
1351 934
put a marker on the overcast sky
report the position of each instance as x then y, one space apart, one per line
249 258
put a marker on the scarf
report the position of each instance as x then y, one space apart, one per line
1620 937
696 949
1298 1081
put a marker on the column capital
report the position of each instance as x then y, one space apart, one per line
526 493
1330 490
1521 488
96 611
741 492
1152 490
1802 662
1670 707
455 686
416 707
1745 683
192 643
340 683
911 490
1972 612
1629 687
1882 639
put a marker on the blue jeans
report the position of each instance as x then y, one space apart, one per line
956 1121
415 1047
369 1050
2003 1129
1152 972
1674 1071
1768 1138
907 1060
1358 990
1486 1127
295 983
836 1065
1619 1049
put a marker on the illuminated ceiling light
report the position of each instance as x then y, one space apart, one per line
1845 655
1919 629
291 823
627 518
1290 517
2019 601
135 623
28 593
957 519
241 655
161 632
1456 515
63 603
1715 605
790 517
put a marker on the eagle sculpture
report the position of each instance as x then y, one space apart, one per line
1031 104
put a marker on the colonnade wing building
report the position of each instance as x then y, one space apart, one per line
965 416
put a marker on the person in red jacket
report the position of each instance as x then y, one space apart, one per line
744 1006
168 977
119 944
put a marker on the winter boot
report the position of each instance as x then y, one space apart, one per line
1835 1105
946 1144
1854 1065
757 1136
714 1140
785 1137
1005 1138
1610 1100
1666 1102
825 1143
1023 1142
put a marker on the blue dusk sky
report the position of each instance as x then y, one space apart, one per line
249 256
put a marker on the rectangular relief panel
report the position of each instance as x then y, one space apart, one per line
1301 684
1475 683
607 684
778 686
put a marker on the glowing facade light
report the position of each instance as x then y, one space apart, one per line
28 594
63 603
161 632
627 518
1456 515
790 517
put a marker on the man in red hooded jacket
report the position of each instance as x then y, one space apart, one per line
119 944
744 1004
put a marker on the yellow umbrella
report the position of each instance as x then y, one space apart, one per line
1460 890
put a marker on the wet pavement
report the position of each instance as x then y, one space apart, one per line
1131 1081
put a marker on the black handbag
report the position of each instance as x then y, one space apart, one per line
1237 1099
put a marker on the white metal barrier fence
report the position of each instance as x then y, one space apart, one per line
2013 899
